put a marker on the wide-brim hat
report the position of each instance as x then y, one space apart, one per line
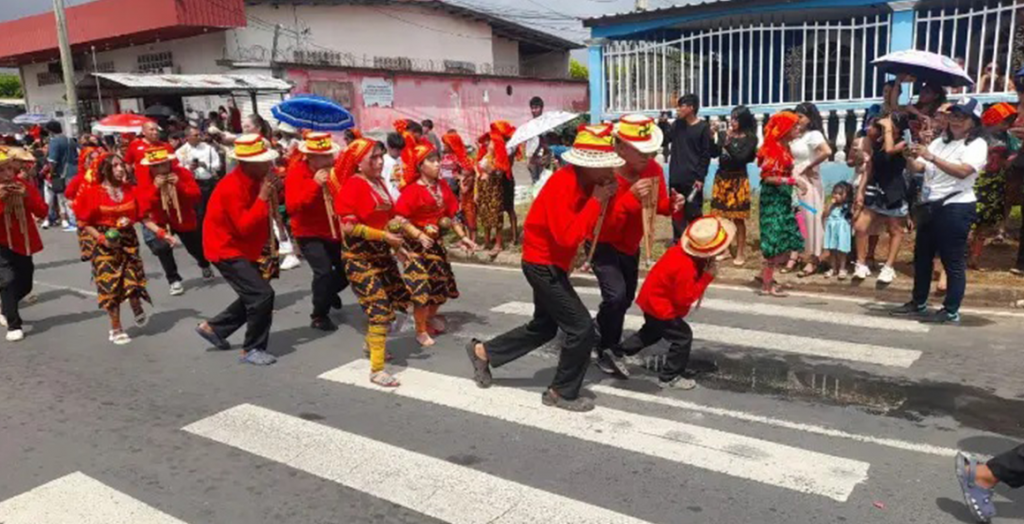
22 154
316 143
593 148
156 155
708 237
641 132
285 127
252 148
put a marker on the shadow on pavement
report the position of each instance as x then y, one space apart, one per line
58 263
45 324
161 322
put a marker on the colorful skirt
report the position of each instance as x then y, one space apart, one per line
490 206
118 272
467 213
373 274
780 233
269 264
991 192
731 195
428 275
86 245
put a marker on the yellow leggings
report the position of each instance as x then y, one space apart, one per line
376 337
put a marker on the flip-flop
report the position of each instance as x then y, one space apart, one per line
977 498
257 357
384 379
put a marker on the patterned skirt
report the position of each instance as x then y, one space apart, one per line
467 213
270 264
373 274
990 189
731 195
490 206
780 233
86 245
428 275
118 272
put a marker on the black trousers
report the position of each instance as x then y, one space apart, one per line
691 211
205 190
254 307
679 336
1020 250
617 275
556 306
1009 467
16 273
193 242
324 256
945 235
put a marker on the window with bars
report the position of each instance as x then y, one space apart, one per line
155 62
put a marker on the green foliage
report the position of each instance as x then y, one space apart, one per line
10 86
578 71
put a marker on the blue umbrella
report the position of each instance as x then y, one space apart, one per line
314 113
32 118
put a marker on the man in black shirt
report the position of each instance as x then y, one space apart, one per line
691 146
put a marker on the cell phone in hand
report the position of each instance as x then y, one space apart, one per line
908 137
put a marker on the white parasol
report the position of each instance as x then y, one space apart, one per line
538 126
925 66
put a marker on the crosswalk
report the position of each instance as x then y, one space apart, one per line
464 494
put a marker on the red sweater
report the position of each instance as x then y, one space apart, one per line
94 207
358 203
188 198
304 200
34 207
672 286
237 223
623 226
560 219
419 206
135 154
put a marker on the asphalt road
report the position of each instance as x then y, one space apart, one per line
809 410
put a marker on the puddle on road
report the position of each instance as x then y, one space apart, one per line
970 406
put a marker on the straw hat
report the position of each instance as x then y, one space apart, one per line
155 155
287 128
319 143
22 154
593 148
707 237
641 132
252 148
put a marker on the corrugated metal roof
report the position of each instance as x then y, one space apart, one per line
186 85
628 16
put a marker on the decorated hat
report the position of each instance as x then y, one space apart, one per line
594 148
22 154
252 148
641 132
707 237
348 162
155 155
319 143
416 155
5 156
998 113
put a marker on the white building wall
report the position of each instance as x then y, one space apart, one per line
506 53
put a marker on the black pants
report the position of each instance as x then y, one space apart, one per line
679 336
205 190
556 306
1020 250
946 235
193 242
617 275
16 272
324 256
254 307
1009 467
693 209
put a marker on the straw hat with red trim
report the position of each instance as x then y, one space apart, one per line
641 132
252 148
155 155
707 237
593 148
319 143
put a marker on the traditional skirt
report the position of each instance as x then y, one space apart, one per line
118 272
731 195
86 245
990 190
490 206
428 275
373 274
270 264
780 233
467 212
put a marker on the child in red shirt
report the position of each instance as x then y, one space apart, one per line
676 282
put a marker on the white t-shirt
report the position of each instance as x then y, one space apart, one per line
388 172
804 148
938 184
209 160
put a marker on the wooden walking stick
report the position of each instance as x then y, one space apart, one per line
329 205
649 204
597 230
169 200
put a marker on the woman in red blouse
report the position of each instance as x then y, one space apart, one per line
88 162
108 212
364 207
426 209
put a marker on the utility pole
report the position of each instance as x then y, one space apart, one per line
273 52
67 68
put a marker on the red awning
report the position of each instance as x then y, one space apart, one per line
115 23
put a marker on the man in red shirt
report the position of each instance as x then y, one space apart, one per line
235 231
20 206
176 213
676 282
562 217
314 224
136 152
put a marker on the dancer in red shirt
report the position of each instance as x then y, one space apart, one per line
136 152
672 287
88 162
236 233
316 228
562 217
465 175
427 208
20 205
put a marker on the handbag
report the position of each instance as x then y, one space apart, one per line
924 212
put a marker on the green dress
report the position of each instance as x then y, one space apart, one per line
779 231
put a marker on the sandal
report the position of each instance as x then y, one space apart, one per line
788 268
807 272
774 292
439 324
481 368
213 338
977 498
384 379
739 262
120 338
578 404
141 320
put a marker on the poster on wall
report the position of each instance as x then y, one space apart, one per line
378 92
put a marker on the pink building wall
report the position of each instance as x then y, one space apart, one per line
465 103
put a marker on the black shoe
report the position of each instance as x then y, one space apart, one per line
942 316
213 338
336 303
909 309
323 324
207 273
481 368
578 404
611 364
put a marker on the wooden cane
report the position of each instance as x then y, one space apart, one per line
597 230
649 210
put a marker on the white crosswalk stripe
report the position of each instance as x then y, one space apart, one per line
431 486
816 347
730 454
79 499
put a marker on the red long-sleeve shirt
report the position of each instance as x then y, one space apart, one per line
94 206
560 219
623 226
358 203
188 198
418 205
672 286
304 200
135 154
237 223
34 207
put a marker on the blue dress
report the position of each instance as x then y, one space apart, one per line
838 232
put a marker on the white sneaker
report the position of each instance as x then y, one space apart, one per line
64 224
829 274
177 288
15 335
861 271
45 224
887 275
290 262
842 274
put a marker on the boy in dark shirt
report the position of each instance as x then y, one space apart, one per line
691 146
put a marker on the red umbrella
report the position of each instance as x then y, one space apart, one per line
123 123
